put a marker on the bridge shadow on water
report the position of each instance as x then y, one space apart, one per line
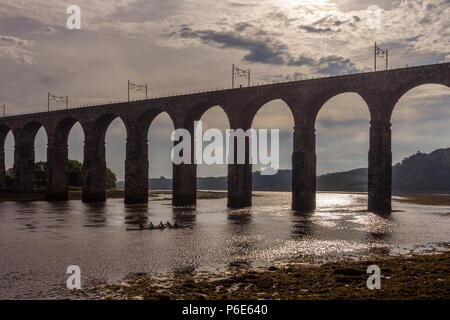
185 215
239 227
302 225
136 214
95 214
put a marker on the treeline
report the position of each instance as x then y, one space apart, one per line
278 182
420 172
75 175
423 172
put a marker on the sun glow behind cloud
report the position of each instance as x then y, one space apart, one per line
313 8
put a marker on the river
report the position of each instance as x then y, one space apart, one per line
38 240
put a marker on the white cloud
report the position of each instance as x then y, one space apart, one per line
142 40
14 48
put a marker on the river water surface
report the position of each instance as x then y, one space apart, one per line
38 240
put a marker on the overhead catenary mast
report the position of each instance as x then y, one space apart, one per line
53 98
137 87
240 73
381 54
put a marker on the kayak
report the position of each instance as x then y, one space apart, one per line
159 228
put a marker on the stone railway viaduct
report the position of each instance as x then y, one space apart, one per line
380 90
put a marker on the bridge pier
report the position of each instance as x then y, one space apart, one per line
24 177
57 172
94 170
184 182
2 168
3 133
136 171
2 160
304 169
240 175
380 167
239 186
184 185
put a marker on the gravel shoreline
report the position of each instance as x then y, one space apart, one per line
425 276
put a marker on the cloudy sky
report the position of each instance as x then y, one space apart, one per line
182 46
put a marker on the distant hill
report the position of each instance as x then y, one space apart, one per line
423 172
420 172
353 180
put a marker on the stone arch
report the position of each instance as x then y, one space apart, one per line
63 129
115 138
4 131
30 130
421 105
97 129
320 102
345 136
213 118
198 111
256 107
137 153
161 142
146 118
29 133
24 156
94 157
411 85
286 129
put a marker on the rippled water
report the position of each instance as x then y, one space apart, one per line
38 240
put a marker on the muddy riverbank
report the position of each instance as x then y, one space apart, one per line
402 277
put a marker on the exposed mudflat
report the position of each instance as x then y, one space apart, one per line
416 277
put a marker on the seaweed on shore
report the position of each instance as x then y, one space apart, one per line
415 277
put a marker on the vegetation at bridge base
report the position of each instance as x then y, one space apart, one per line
75 176
75 173
110 179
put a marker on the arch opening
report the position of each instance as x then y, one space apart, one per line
7 158
75 154
115 152
420 140
275 114
40 158
214 120
342 144
159 152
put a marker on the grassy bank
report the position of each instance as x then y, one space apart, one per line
415 277
75 193
424 199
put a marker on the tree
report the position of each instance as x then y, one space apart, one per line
39 172
110 179
8 181
75 173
